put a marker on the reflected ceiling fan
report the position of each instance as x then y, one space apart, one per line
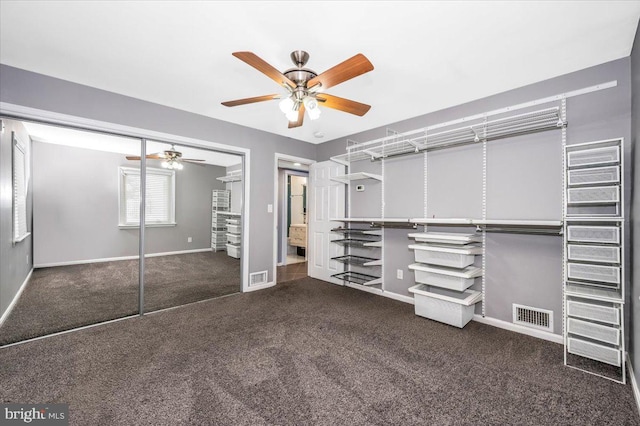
172 159
303 86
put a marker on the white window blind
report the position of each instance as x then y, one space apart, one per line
160 197
19 191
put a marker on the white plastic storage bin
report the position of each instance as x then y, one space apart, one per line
594 331
454 257
595 195
593 156
446 306
446 238
595 351
452 279
234 229
594 234
233 221
595 311
595 273
594 176
601 254
234 238
233 250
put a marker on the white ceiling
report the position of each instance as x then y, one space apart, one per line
120 145
427 55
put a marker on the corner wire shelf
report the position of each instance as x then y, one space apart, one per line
358 278
351 259
424 140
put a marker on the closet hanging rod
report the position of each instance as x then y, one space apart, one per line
520 230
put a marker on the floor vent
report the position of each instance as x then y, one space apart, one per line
541 319
257 278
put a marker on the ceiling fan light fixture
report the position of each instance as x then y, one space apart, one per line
292 114
286 105
311 105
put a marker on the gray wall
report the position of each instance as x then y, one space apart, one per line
16 260
635 214
34 90
77 219
524 181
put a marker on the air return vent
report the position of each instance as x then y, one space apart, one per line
257 278
541 319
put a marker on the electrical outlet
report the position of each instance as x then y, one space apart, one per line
189 239
400 274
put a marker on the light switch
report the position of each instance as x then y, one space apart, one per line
269 208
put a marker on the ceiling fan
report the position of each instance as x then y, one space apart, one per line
172 159
303 86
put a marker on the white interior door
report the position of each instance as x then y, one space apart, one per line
326 201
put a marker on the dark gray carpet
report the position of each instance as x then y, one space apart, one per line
307 352
66 297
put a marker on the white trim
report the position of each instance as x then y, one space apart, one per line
24 237
115 259
379 292
279 156
634 383
15 298
22 112
400 297
544 335
260 287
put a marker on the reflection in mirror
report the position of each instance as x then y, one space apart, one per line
84 257
192 229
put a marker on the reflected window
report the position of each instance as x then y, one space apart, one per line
160 195
20 231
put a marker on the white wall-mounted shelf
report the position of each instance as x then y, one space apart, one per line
356 176
441 221
230 214
234 176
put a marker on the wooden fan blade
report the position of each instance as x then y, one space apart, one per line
259 64
298 122
151 156
342 72
342 104
249 100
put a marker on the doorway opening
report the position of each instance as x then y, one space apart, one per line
291 215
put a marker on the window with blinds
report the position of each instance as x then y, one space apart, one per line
160 197
20 231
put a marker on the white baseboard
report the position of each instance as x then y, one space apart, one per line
634 383
545 335
400 297
7 311
114 259
389 294
259 287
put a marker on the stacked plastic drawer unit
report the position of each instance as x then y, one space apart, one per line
444 272
220 203
594 258
234 236
362 261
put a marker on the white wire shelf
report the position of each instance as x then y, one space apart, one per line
234 176
356 176
423 139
